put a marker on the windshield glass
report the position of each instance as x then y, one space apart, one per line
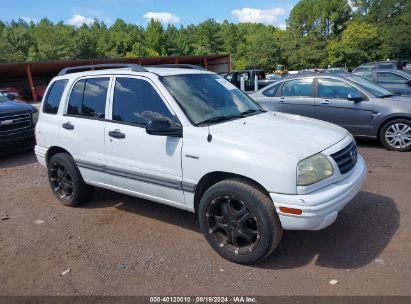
3 97
370 87
206 96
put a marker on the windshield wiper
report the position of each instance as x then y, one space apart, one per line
217 119
250 111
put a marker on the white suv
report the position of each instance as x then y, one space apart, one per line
190 139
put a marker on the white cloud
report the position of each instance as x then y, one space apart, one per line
79 20
254 15
28 19
162 17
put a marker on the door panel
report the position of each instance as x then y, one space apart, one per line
137 161
333 106
296 97
82 127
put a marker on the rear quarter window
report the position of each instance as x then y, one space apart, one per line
53 96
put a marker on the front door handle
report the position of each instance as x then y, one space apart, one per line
282 99
116 134
325 102
68 126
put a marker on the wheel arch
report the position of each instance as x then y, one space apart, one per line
215 177
384 122
53 151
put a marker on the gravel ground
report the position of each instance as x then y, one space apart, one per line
119 245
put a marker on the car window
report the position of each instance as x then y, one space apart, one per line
53 97
388 65
334 89
366 75
390 77
88 98
272 90
137 102
297 87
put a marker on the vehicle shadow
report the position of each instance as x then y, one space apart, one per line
365 143
17 159
362 230
105 199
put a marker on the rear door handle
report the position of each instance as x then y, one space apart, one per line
116 134
325 102
68 126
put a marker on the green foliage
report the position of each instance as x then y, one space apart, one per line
319 33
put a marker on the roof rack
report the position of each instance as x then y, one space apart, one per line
133 67
176 66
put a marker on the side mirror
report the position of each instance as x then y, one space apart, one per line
355 96
164 127
11 96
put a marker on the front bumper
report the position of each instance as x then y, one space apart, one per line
19 141
320 208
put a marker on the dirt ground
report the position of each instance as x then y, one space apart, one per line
119 245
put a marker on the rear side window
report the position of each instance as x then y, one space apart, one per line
367 75
270 92
88 98
297 88
388 65
137 102
53 97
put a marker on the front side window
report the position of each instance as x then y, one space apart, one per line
390 77
88 98
137 102
334 89
204 97
297 88
53 97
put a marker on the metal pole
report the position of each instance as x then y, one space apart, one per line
242 83
33 92
255 82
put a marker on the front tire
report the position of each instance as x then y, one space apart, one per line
66 181
239 221
396 135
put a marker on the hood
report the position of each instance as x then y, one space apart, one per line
12 107
402 98
292 134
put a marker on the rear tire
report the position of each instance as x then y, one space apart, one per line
66 181
395 135
239 221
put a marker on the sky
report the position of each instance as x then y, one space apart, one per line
77 12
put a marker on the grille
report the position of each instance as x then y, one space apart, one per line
11 123
346 158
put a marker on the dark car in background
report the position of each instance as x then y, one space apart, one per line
17 121
362 107
397 81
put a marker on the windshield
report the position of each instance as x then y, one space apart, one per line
3 97
370 87
206 97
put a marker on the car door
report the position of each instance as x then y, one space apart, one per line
394 82
332 105
148 165
82 126
296 96
265 97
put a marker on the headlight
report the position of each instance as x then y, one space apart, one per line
313 169
35 117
